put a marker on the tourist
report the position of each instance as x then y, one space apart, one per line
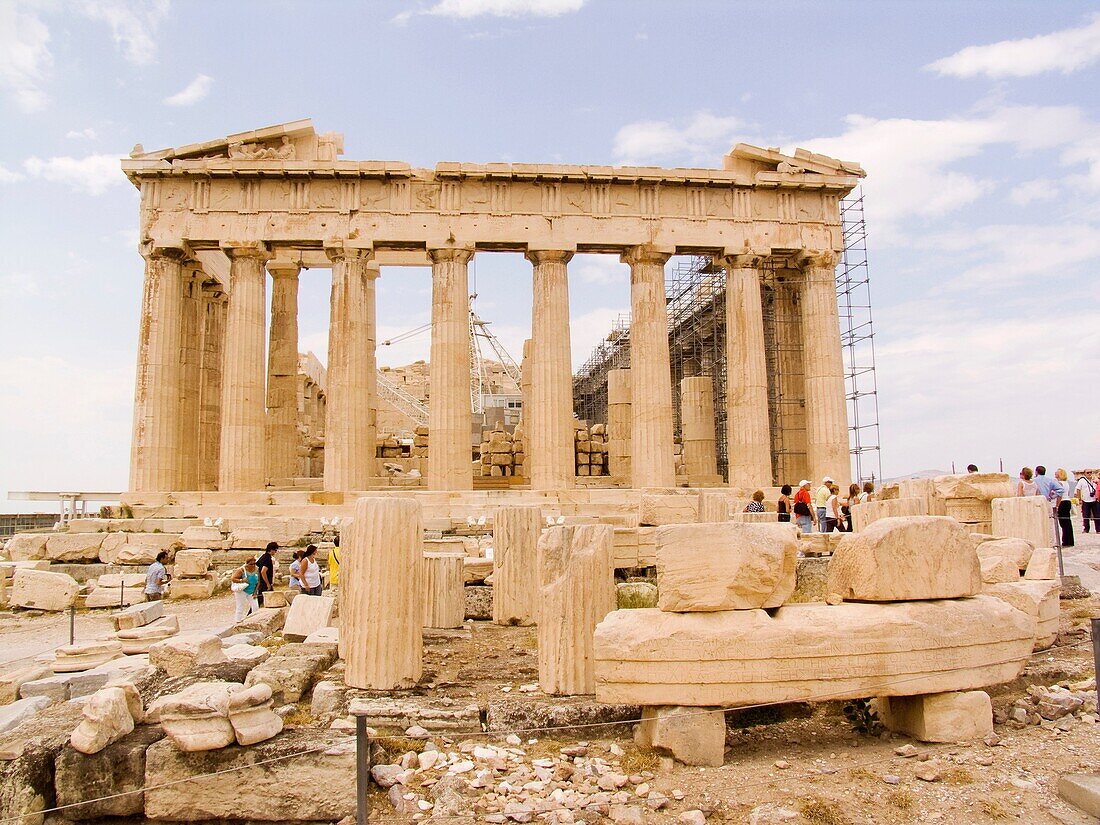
846 507
972 468
803 513
821 501
1086 494
1063 509
1051 490
832 509
156 577
783 506
757 503
1025 486
243 584
310 572
295 571
868 493
266 566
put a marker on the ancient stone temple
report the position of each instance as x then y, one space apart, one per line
226 220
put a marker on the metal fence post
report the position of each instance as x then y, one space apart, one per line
1096 649
362 771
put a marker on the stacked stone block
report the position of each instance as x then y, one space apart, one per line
389 447
420 443
591 449
620 422
500 453
193 577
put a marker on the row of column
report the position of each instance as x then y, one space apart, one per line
202 379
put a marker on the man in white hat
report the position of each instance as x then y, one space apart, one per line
821 501
803 515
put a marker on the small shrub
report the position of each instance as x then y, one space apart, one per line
862 717
901 798
821 812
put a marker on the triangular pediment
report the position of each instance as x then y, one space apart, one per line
753 159
296 140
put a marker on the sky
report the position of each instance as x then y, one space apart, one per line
978 125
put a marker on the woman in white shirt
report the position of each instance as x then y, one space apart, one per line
310 572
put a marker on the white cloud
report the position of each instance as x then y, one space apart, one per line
133 25
82 134
192 93
602 270
93 174
465 9
1039 189
703 138
8 176
588 329
1064 51
25 57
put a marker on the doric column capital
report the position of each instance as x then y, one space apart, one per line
743 260
257 250
284 269
457 254
645 254
549 256
809 259
176 251
338 251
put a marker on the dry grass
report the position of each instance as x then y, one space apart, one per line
993 809
639 759
818 811
957 776
862 774
300 716
901 798
272 642
1082 613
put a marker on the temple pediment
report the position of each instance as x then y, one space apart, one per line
753 160
294 141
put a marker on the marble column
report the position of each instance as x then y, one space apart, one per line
155 448
350 432
190 377
620 424
650 372
549 419
697 425
282 372
210 386
823 365
241 458
449 418
748 433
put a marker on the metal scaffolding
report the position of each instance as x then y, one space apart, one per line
695 292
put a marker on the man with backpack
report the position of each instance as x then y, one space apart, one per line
1086 494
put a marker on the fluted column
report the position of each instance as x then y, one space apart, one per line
651 377
352 373
154 450
210 386
282 372
697 425
549 421
449 419
748 433
826 407
241 459
190 377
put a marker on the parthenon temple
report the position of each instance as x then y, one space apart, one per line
221 217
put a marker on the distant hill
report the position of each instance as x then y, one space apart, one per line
918 474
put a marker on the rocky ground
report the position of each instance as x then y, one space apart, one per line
796 763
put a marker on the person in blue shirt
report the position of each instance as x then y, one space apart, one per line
244 584
1049 488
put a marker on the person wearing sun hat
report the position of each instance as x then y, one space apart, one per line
803 511
821 501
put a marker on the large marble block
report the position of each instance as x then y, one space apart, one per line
904 559
307 614
1024 517
808 651
74 547
137 548
725 566
939 717
26 546
869 512
1039 600
193 562
1018 551
660 508
42 590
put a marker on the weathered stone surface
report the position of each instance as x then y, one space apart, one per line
19 711
117 771
107 719
284 532
811 577
476 570
425 712
26 546
1039 600
292 671
182 654
444 600
85 656
1024 517
1043 564
978 486
13 680
27 780
55 688
693 736
998 569
905 559
317 786
382 591
115 596
193 563
266 620
658 509
307 614
741 657
42 590
725 566
632 595
714 505
196 718
478 601
197 588
140 639
137 548
1017 550
74 546
939 717
252 654
138 615
1081 790
863 515
204 538
328 701
251 715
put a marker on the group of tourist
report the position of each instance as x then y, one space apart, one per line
827 510
257 576
1060 491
